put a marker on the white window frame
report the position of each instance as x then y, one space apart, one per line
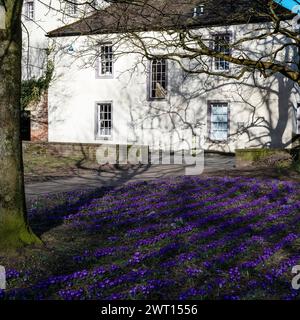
106 58
100 113
215 121
29 9
217 62
93 3
71 7
198 10
159 79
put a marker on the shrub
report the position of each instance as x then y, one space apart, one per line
279 160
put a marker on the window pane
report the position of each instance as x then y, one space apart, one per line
219 109
219 121
106 60
219 135
29 9
158 79
221 44
219 118
105 119
71 8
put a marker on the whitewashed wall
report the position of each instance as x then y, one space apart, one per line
2 17
266 107
48 15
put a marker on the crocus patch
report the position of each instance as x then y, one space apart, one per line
176 238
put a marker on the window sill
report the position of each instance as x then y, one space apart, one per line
221 71
103 138
217 141
157 99
104 76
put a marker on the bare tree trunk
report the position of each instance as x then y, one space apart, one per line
14 229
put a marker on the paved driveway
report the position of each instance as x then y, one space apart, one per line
213 162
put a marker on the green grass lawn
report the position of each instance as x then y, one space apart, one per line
37 166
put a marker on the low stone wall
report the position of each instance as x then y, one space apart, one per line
102 153
255 156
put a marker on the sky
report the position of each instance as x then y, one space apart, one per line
289 4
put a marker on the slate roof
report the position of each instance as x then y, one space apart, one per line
152 15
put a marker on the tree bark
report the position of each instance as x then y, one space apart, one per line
14 229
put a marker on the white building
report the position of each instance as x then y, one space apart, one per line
38 18
106 91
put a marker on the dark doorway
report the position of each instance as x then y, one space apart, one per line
25 126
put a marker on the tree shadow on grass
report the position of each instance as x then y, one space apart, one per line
49 218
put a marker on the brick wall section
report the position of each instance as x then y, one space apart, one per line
105 153
39 119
